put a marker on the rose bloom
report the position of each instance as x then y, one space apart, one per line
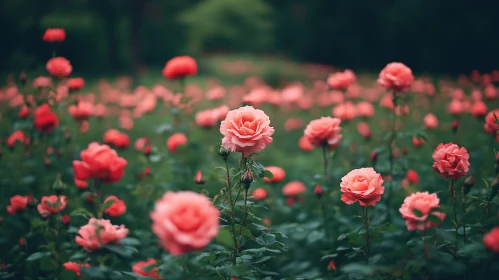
206 118
75 267
362 185
140 143
51 204
277 172
341 80
293 123
76 83
430 121
246 130
45 119
116 138
99 232
451 161
180 67
184 221
491 240
455 107
117 207
412 176
364 130
17 203
17 136
259 194
345 111
424 202
324 131
81 184
490 92
59 67
396 77
418 142
42 82
387 101
52 35
140 268
364 109
479 109
293 188
221 112
490 122
81 111
305 144
99 162
24 112
177 139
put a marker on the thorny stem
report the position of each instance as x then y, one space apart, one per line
233 219
390 157
366 223
245 215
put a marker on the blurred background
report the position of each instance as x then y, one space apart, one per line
129 36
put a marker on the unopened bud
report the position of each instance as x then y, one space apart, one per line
495 189
469 182
147 150
66 220
247 179
404 151
89 199
455 125
374 157
147 171
58 185
318 191
199 178
22 78
223 152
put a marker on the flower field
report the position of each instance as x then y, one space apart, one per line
332 174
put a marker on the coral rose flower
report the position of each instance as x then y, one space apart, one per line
479 109
277 172
81 111
59 67
24 112
99 232
17 136
362 185
293 188
324 131
180 67
364 109
99 162
76 267
145 268
490 122
75 84
430 121
117 207
491 240
412 176
42 82
206 118
116 138
341 80
418 142
305 144
364 130
52 35
293 123
451 161
81 184
51 204
345 111
423 202
246 130
184 221
259 194
17 203
45 119
396 77
177 139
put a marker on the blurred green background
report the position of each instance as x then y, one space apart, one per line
123 36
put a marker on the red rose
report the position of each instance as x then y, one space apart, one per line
180 67
117 207
116 138
76 83
17 203
45 119
54 35
59 67
140 268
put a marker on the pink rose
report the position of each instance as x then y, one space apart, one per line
293 188
99 232
117 207
81 111
362 185
341 80
491 240
177 139
206 118
365 109
51 205
490 122
396 77
424 202
246 130
99 162
17 203
184 221
451 161
430 121
345 111
324 131
116 138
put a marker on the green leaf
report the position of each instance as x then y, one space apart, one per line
418 213
124 251
267 174
136 276
225 237
81 211
130 241
472 248
357 268
266 239
329 257
434 219
264 259
108 204
79 255
37 256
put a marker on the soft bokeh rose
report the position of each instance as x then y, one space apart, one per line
76 267
99 232
177 139
45 119
455 107
412 176
184 221
81 111
396 77
478 109
116 138
16 136
206 118
490 122
323 131
451 161
341 80
140 268
259 194
180 67
491 240
430 121
246 130
76 83
293 188
345 111
59 67
17 203
99 162
423 202
305 144
52 35
364 109
51 204
364 130
117 207
277 172
362 185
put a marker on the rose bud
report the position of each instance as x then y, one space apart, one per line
147 171
404 151
22 78
374 157
318 191
495 189
66 220
147 150
223 152
199 178
89 199
455 125
247 179
468 184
